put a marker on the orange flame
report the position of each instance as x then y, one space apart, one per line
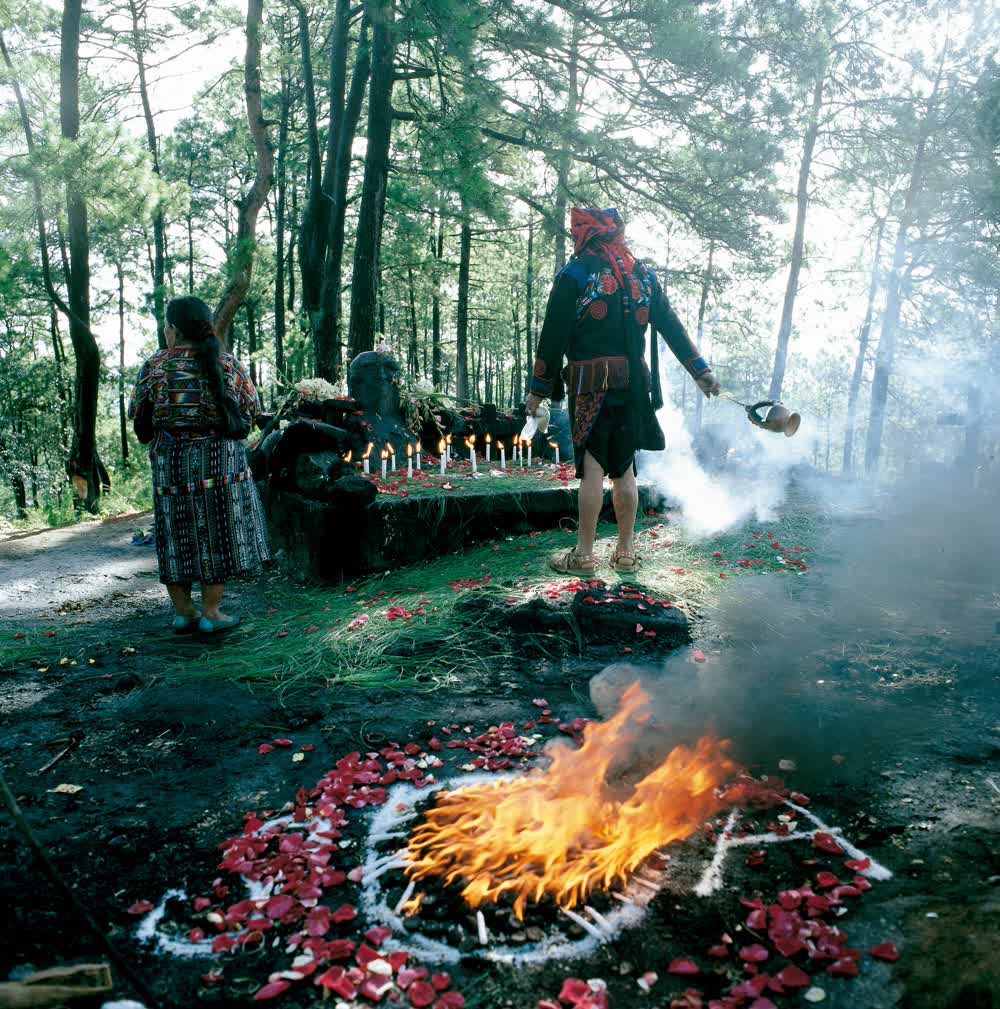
563 832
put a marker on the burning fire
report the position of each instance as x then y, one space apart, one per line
563 832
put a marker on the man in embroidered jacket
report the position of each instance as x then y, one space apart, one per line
600 306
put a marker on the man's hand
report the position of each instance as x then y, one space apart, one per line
532 404
709 384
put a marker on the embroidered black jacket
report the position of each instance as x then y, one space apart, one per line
601 330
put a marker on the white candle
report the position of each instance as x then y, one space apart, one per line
393 462
409 462
443 449
555 445
472 456
503 455
419 448
385 459
367 467
529 455
488 447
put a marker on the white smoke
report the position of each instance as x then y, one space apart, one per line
749 475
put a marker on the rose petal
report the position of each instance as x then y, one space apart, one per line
420 994
754 953
698 655
827 842
141 907
574 990
272 990
885 951
793 977
683 967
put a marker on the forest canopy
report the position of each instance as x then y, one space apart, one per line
816 183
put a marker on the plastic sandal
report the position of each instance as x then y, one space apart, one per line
624 564
571 563
207 626
185 625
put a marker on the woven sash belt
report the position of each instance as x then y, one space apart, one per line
599 374
209 484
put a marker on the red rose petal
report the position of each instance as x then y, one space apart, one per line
844 967
574 990
272 990
698 655
858 864
683 967
141 907
450 1000
377 936
800 799
885 951
345 912
827 842
754 953
421 994
826 879
441 981
793 977
718 951
285 743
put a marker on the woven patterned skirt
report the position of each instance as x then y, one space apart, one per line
210 525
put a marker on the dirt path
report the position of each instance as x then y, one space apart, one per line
77 569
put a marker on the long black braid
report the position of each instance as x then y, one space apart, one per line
192 319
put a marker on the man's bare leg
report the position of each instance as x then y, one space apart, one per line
626 498
591 502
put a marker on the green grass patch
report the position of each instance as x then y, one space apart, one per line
405 630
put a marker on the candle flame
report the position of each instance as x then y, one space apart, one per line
349 456
552 444
420 447
472 439
500 445
517 439
368 451
409 451
488 438
448 439
385 454
389 448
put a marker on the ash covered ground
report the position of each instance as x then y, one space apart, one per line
874 674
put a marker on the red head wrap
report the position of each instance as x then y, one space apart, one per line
602 233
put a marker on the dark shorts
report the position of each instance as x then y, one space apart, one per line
611 441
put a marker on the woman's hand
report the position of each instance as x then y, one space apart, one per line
532 404
709 384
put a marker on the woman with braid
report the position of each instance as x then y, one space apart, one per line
601 304
193 405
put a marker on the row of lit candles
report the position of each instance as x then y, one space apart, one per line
388 454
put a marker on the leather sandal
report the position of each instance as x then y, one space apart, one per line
572 563
624 563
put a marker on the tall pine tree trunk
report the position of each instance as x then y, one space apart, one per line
241 260
279 231
438 251
159 227
372 210
332 337
84 465
462 314
798 241
569 125
706 286
414 349
122 425
529 283
864 336
885 358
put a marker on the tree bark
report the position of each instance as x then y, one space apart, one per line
529 282
798 241
122 422
569 125
864 336
83 465
437 242
885 358
279 228
331 337
462 314
372 210
706 286
313 228
414 348
159 228
241 260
